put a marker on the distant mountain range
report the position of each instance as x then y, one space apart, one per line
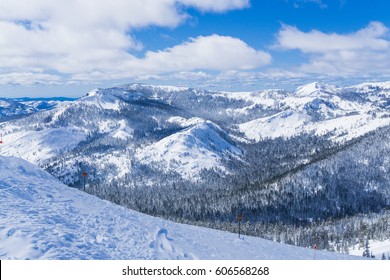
13 107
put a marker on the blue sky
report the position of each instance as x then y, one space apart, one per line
67 48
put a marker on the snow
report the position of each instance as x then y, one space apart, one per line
102 100
318 108
197 147
289 123
193 142
4 104
39 146
137 86
283 124
118 164
369 87
376 247
315 88
24 106
348 127
108 98
117 129
44 219
267 99
183 122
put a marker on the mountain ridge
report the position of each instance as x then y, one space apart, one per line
116 114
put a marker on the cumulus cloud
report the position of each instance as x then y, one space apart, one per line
121 14
371 37
83 38
364 52
211 52
203 53
29 79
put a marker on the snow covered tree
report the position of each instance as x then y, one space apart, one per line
366 252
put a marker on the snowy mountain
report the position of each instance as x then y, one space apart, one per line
137 135
310 157
14 107
344 113
316 89
132 120
141 122
198 146
43 219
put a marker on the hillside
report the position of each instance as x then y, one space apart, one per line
43 219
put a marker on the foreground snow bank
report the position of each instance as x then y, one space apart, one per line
43 219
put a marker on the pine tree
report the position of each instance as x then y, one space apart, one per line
366 252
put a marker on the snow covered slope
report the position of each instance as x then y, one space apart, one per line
199 146
318 108
377 248
44 219
284 124
39 146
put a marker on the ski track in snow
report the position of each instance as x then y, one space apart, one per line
44 219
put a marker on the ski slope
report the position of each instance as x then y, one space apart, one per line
43 219
377 248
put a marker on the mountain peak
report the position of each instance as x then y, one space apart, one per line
132 92
145 87
315 88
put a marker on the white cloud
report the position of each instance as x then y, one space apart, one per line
207 53
81 38
315 41
217 5
212 52
364 52
190 76
29 79
254 78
